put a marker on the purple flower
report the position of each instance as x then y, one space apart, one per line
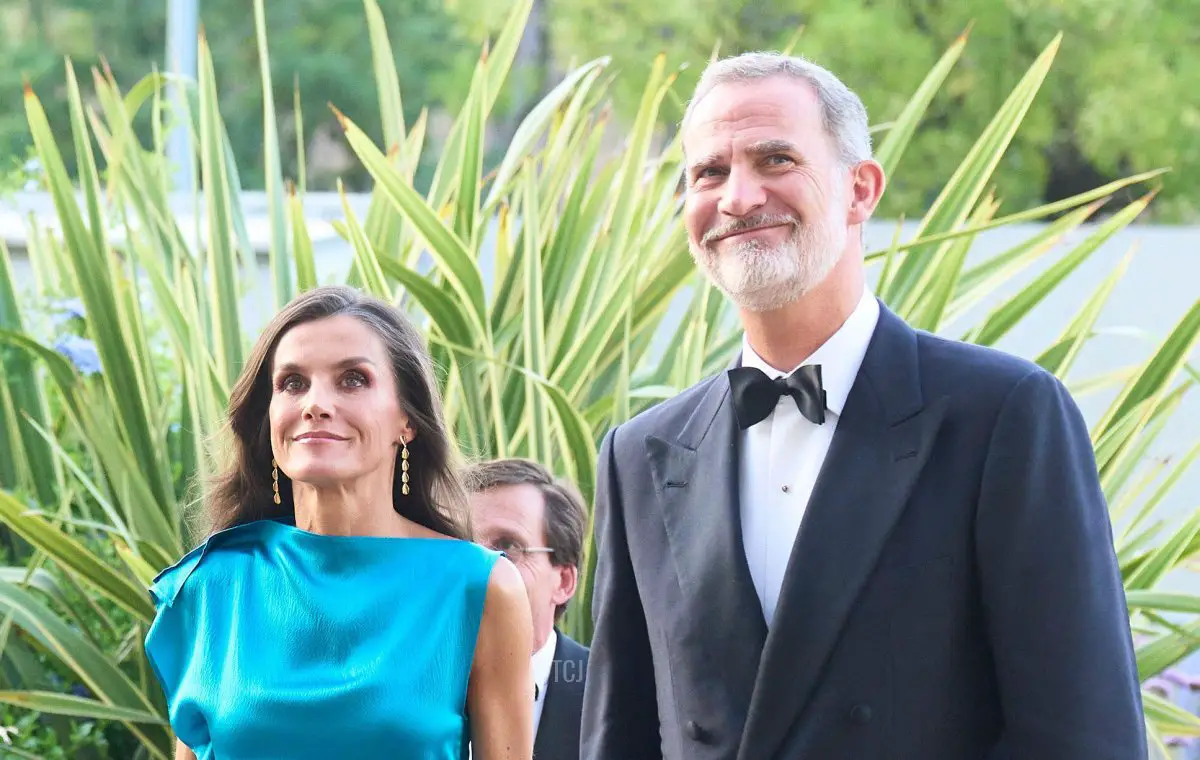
66 309
81 352
1159 686
1175 677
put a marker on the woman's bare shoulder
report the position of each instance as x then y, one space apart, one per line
506 626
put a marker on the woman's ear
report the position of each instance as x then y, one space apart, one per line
407 434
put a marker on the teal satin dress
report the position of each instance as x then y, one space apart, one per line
273 642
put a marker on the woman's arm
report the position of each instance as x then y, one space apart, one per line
500 695
182 752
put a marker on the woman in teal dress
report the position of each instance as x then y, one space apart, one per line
338 608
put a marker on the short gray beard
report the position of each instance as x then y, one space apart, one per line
760 278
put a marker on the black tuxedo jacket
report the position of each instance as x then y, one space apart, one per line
952 594
558 731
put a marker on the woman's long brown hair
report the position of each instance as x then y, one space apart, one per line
243 493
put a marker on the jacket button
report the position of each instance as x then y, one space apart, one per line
861 714
695 731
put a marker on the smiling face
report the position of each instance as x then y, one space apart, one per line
767 200
335 409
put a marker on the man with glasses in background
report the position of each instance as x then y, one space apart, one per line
519 508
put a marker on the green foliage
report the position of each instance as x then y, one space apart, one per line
32 737
319 45
1120 101
572 333
47 735
1121 98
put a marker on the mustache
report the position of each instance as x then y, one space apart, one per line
749 223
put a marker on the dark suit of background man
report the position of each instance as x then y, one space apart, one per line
906 556
519 508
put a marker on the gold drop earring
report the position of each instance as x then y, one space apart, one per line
403 466
275 479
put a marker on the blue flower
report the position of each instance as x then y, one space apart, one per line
81 352
66 309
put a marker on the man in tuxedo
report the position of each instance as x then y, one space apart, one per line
861 541
539 522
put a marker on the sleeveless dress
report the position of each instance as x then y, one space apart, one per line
273 642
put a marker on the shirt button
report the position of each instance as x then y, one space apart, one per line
787 489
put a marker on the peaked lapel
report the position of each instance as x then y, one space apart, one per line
696 477
882 440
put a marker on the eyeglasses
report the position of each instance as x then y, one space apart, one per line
513 548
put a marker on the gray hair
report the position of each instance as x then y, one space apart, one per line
843 114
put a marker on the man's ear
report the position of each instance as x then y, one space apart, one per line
867 184
568 581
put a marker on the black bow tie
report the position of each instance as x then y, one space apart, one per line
755 395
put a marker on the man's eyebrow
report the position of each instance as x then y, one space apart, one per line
506 535
758 149
766 147
705 161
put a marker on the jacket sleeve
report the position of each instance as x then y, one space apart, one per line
1052 595
620 711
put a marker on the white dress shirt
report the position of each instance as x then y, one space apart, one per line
782 455
543 663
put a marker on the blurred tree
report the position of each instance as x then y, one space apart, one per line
321 44
1122 96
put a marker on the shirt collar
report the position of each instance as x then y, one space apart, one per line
543 662
840 357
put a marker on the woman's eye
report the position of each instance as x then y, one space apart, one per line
356 379
291 383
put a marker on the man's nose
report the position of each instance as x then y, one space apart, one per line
742 193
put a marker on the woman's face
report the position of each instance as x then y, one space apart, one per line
335 410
